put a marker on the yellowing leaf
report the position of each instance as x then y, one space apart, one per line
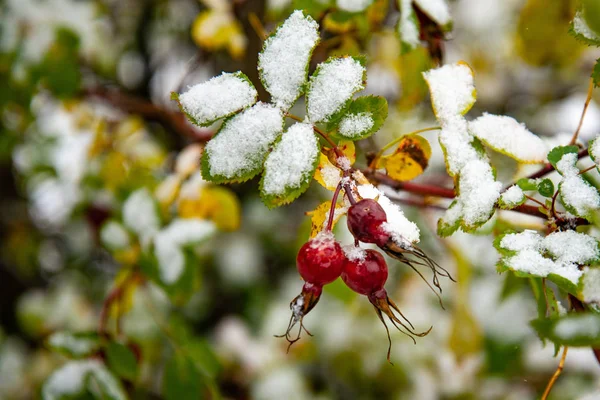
409 160
215 203
114 170
124 302
349 150
319 216
327 174
218 29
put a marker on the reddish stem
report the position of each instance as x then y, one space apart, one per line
549 168
333 204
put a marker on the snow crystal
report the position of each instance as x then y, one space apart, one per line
582 28
323 237
292 160
332 85
353 5
591 285
141 215
479 192
587 325
403 231
354 253
218 97
571 247
354 125
508 136
78 346
452 90
71 378
437 10
408 28
331 175
241 144
344 163
574 190
114 236
527 239
168 243
283 63
512 196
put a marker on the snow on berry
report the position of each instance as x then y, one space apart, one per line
332 86
240 146
402 231
283 63
354 125
218 97
168 245
354 253
578 196
512 197
509 137
292 162
567 250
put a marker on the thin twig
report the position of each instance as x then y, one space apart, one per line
585 107
535 201
591 167
559 369
257 26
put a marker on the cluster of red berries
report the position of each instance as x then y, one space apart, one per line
322 260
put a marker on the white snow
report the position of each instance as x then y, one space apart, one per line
594 150
292 160
218 97
403 231
508 136
452 90
169 241
78 346
52 201
114 236
591 285
332 85
456 139
513 196
353 5
71 378
582 28
242 143
140 214
331 175
437 10
283 63
568 250
574 190
344 163
586 325
354 125
354 253
408 27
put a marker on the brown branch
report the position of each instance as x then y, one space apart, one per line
561 365
173 120
549 168
585 107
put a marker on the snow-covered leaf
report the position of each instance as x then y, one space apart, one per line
558 152
590 292
512 198
332 86
320 216
327 174
437 10
140 214
283 62
545 187
353 6
594 150
168 244
363 117
238 150
114 236
76 377
76 345
452 90
409 160
217 98
582 31
570 330
577 195
291 165
507 136
408 26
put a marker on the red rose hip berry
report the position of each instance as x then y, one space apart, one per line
365 222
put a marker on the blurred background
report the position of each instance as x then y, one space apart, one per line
96 162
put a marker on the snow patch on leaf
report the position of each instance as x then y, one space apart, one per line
332 86
408 26
353 5
140 214
218 97
578 196
582 31
509 137
354 125
283 63
452 90
437 10
238 150
512 197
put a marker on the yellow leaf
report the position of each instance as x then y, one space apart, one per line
409 160
349 150
319 216
215 203
327 174
124 302
218 29
168 190
114 170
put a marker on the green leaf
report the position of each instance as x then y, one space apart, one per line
408 27
527 184
558 152
238 150
181 379
546 187
596 73
290 167
75 345
203 357
364 116
121 360
577 330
